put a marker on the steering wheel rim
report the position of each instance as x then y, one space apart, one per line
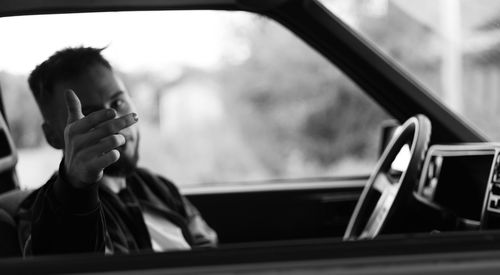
380 196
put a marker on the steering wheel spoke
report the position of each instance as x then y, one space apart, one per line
377 217
382 183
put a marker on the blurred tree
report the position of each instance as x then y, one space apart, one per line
22 112
290 99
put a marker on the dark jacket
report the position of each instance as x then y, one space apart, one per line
106 221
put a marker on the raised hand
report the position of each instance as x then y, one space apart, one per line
91 141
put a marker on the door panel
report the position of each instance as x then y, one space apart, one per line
279 211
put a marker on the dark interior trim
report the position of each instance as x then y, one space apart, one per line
277 185
386 250
31 7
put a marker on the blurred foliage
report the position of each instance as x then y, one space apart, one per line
292 100
22 112
406 41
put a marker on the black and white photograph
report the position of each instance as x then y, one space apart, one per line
250 137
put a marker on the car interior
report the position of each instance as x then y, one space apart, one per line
432 187
434 175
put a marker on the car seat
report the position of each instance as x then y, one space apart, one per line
9 246
10 195
8 155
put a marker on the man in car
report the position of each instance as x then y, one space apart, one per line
99 200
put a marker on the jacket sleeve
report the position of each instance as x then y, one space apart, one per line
66 220
202 234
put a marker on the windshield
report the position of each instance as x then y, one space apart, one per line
449 46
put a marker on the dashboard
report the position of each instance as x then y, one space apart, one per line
463 181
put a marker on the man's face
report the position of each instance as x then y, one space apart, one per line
98 88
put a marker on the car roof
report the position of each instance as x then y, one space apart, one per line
26 7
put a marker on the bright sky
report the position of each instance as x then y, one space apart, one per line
135 40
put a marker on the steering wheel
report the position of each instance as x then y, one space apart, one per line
388 190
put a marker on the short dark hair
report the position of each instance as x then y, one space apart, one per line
65 64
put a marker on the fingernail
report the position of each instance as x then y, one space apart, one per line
134 115
110 113
124 140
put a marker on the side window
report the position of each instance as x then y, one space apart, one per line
223 97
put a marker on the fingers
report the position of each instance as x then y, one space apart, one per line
105 160
95 159
92 121
108 128
73 106
105 145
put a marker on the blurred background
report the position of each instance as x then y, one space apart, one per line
451 47
232 97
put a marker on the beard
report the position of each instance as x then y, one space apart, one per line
126 164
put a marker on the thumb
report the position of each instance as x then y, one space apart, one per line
74 107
